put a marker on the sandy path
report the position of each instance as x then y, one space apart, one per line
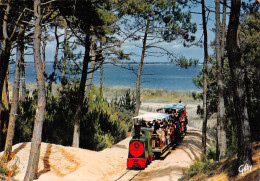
67 163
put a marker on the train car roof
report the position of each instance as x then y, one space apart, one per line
171 107
152 116
177 104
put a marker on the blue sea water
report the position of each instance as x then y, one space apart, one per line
154 76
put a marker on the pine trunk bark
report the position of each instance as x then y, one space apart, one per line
101 71
205 77
138 81
15 97
23 94
44 48
5 91
93 64
63 78
55 60
234 57
4 59
81 92
32 168
101 79
221 134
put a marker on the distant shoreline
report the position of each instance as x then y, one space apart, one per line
124 63
147 95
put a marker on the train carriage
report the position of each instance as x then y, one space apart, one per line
178 112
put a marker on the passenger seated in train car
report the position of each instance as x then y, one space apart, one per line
178 115
149 124
162 137
168 111
159 133
159 110
173 112
164 124
172 130
143 123
177 123
155 126
168 134
143 134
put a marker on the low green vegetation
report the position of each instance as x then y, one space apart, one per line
7 170
103 124
200 166
204 164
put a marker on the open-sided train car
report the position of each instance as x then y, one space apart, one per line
153 134
178 113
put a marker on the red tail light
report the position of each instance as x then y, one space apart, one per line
136 149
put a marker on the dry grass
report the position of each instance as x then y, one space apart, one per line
110 92
196 120
149 95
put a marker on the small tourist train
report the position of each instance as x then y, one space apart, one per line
154 134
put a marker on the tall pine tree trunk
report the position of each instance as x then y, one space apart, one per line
138 81
5 91
93 64
55 60
63 74
31 172
221 134
101 79
234 57
15 97
4 58
23 83
205 75
101 70
81 92
44 43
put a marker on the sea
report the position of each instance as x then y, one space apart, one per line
164 76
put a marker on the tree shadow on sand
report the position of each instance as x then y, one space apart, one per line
46 161
19 148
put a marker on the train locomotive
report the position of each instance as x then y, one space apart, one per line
154 134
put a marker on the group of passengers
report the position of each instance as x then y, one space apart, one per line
165 131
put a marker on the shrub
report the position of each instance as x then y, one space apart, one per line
200 165
204 164
8 169
102 123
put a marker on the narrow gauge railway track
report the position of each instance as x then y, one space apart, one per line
128 175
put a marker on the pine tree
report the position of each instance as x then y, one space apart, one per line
234 57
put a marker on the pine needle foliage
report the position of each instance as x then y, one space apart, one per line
104 123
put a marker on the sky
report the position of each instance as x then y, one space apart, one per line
176 47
